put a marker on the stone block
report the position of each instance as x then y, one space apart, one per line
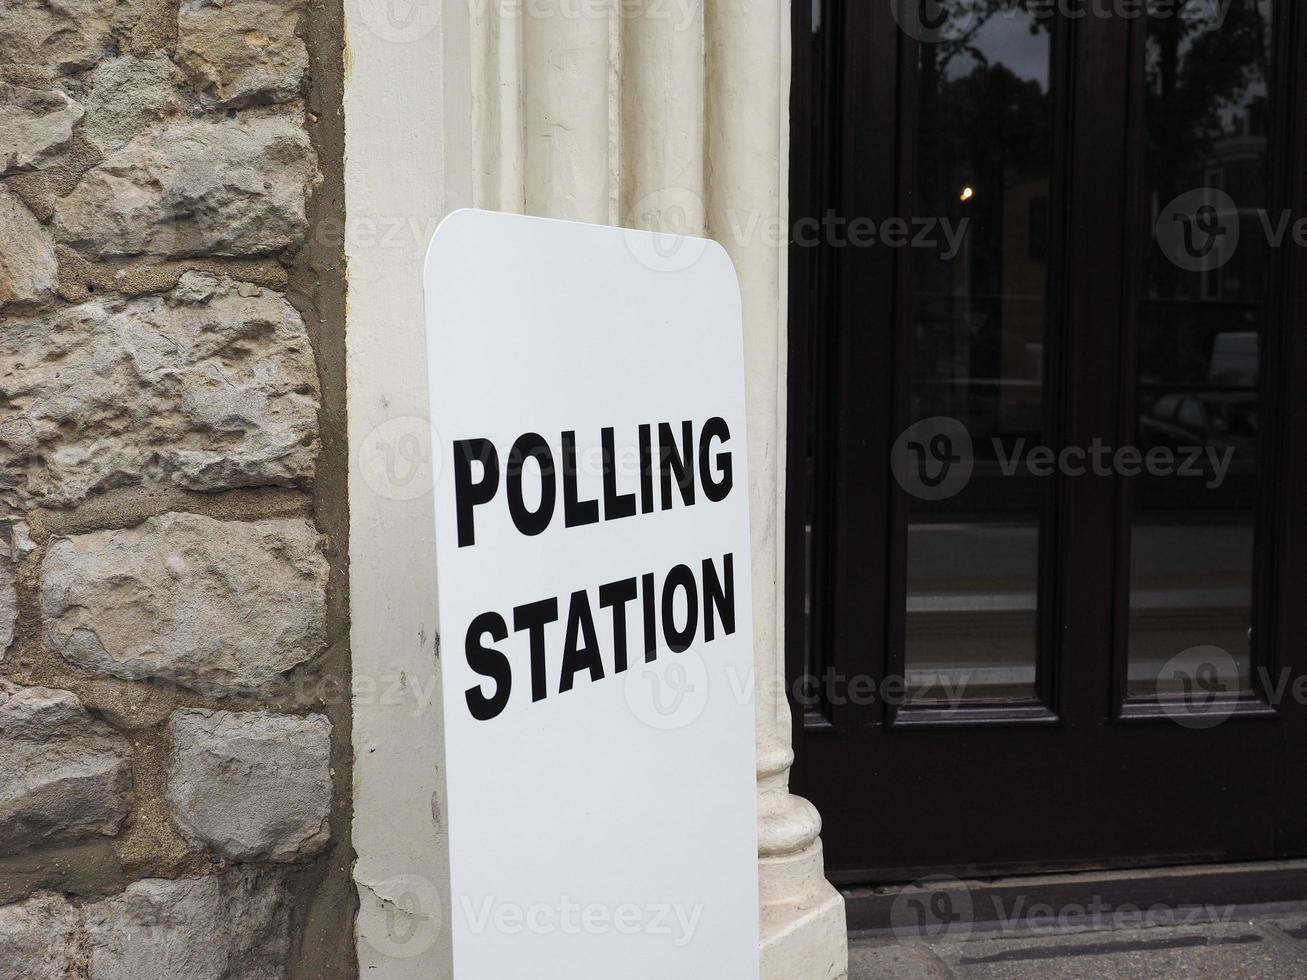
37 939
65 36
8 604
228 187
217 606
251 785
64 776
234 926
241 52
35 125
128 95
29 272
211 387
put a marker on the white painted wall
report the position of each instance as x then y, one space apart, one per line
402 174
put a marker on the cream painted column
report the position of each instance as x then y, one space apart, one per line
675 115
748 56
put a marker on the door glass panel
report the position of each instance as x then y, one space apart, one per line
978 323
1201 318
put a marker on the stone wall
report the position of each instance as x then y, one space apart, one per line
174 664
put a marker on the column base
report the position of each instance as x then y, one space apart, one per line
804 934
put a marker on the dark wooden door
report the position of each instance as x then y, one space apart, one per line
1047 574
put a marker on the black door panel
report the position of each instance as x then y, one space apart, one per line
1039 665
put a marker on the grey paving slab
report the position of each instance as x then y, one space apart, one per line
1246 949
899 960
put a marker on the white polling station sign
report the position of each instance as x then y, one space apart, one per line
592 539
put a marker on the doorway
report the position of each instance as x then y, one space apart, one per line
1045 554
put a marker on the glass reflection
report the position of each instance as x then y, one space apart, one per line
1198 351
978 322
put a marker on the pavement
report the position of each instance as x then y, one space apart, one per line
1249 943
